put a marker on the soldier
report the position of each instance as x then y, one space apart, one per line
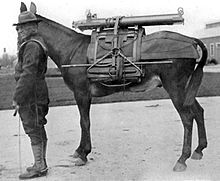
31 93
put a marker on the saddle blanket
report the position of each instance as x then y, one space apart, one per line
166 45
155 46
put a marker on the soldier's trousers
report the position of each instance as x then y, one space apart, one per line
33 120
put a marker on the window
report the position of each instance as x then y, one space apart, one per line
212 49
218 45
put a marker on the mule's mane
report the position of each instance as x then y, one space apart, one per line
61 41
58 26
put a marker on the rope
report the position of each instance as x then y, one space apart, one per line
19 144
19 139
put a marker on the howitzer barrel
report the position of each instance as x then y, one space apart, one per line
150 20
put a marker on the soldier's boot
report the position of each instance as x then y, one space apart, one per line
44 157
40 169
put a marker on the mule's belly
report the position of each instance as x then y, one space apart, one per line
151 83
99 90
154 76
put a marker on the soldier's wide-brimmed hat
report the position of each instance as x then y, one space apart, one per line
26 17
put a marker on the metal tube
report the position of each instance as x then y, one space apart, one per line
154 62
149 20
136 63
76 65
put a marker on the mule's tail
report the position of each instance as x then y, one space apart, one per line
196 77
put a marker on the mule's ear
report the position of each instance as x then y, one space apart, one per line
33 8
23 7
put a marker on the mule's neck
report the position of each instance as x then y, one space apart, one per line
62 42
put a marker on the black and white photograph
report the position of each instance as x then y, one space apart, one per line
118 90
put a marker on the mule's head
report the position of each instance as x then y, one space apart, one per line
60 41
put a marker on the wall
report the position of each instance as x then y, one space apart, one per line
216 42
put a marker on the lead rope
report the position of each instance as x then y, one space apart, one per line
19 139
19 143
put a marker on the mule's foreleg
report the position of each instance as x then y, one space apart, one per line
202 139
83 102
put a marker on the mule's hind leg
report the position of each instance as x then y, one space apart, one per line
175 90
202 140
83 99
187 120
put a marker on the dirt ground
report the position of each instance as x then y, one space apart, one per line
131 141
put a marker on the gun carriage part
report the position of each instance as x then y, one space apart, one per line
92 22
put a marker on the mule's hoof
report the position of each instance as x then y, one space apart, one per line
75 155
179 167
79 162
196 156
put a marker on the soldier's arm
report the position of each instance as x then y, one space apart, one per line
26 82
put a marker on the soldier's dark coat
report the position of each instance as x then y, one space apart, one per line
30 74
31 93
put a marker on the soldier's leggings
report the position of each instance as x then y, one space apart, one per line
33 121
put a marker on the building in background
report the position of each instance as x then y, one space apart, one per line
4 59
210 36
7 60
